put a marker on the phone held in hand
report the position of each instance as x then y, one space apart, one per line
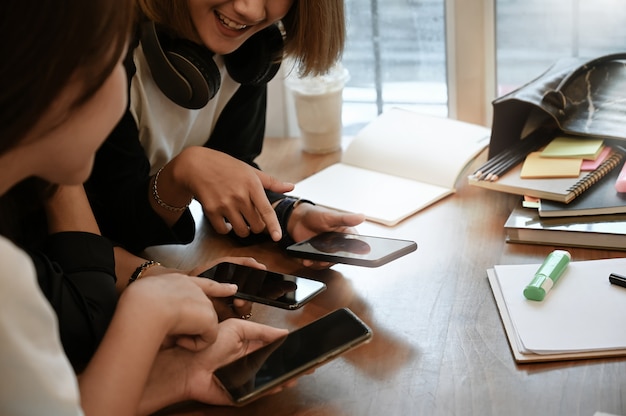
355 249
302 350
262 286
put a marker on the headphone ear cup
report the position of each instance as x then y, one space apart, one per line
196 64
183 71
257 61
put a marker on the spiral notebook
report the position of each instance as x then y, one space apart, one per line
553 189
601 199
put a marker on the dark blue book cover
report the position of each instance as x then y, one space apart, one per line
600 199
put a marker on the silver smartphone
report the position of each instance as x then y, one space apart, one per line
249 377
271 288
356 249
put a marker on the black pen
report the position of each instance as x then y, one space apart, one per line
617 279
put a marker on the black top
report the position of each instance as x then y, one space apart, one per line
76 272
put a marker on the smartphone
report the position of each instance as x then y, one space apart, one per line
300 351
355 249
271 288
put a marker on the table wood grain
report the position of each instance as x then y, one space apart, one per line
439 347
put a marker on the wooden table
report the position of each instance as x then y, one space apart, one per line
439 347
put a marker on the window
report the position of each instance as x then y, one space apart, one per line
453 57
531 34
395 54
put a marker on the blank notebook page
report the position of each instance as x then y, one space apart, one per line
582 312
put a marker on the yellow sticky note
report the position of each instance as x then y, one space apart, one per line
574 148
535 166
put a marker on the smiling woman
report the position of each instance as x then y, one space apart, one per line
169 148
202 143
225 27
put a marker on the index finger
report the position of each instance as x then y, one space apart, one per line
267 213
215 289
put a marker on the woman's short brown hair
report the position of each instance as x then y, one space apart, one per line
316 33
315 30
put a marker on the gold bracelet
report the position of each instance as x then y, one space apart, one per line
157 198
137 274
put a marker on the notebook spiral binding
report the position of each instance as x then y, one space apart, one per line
586 182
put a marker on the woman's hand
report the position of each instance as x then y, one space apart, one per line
308 220
231 192
179 375
180 305
229 307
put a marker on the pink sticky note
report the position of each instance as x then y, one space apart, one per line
620 184
589 165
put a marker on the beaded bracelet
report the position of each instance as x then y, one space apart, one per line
157 198
139 270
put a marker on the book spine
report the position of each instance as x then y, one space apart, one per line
592 177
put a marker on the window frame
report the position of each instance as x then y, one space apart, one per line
471 59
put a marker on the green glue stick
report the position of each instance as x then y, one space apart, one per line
547 275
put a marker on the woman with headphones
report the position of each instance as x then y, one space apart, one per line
164 333
198 73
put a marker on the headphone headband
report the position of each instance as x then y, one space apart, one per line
186 73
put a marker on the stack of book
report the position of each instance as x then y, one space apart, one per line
579 209
608 232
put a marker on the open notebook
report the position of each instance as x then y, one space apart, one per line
579 318
397 165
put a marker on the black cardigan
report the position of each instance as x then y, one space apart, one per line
118 186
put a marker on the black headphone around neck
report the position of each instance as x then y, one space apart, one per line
186 73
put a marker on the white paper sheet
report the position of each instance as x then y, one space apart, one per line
582 312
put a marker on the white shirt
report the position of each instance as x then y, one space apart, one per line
36 377
165 128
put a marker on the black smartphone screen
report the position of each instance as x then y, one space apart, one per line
288 357
360 250
271 288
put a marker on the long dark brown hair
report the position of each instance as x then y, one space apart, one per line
45 44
